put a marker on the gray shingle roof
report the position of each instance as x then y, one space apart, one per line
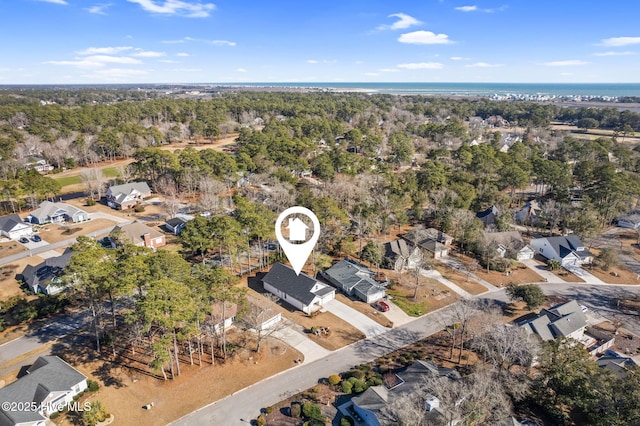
299 287
47 374
120 192
7 223
350 275
558 321
135 231
42 273
47 210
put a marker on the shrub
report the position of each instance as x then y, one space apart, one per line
93 386
261 420
296 410
54 415
312 411
346 386
139 208
347 421
358 374
90 202
334 379
269 409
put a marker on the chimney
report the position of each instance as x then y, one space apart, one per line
147 239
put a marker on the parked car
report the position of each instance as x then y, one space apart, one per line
381 306
36 238
23 240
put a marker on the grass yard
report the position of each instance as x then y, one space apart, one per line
69 180
341 333
461 280
111 172
431 295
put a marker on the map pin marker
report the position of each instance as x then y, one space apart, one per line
297 253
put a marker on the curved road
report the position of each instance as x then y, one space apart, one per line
241 407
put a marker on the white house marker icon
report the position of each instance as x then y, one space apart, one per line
297 230
297 247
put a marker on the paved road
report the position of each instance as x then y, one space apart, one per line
244 405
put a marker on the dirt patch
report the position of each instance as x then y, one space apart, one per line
615 275
9 285
431 294
8 247
365 308
460 279
519 274
53 233
340 333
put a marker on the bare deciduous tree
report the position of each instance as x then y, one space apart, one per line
258 315
93 179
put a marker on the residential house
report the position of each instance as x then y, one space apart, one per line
488 216
631 221
177 223
564 320
429 241
44 277
50 383
529 214
139 234
269 315
223 315
126 196
618 365
355 279
508 244
369 404
568 250
300 291
399 255
49 212
13 227
39 164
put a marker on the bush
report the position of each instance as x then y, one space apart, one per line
93 386
269 409
296 410
346 387
334 379
54 415
261 420
139 208
347 421
358 374
90 202
312 411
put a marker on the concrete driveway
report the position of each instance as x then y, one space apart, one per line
360 321
548 276
397 315
586 276
295 338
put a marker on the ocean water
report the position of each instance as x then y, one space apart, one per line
474 89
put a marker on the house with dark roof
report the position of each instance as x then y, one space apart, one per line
44 277
529 214
175 224
398 254
50 384
126 196
11 226
488 216
508 244
300 291
631 221
429 241
355 279
49 212
564 320
568 250
370 403
139 234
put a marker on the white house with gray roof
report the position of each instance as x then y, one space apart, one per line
300 291
49 212
44 277
49 383
355 279
564 320
126 196
13 227
568 250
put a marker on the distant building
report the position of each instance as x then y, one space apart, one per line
44 277
355 279
177 223
398 254
49 212
126 196
139 234
39 164
430 240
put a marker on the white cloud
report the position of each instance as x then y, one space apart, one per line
148 54
104 50
222 42
568 63
467 8
459 58
371 74
200 40
404 21
105 59
421 66
79 64
388 70
187 69
483 65
424 37
99 9
620 41
168 61
312 61
241 70
359 62
176 7
63 2
613 53
182 54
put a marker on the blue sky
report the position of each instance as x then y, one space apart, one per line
192 41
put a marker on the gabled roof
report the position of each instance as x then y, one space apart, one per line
488 216
397 248
424 239
134 231
558 321
48 209
350 274
508 239
47 270
8 223
299 287
566 245
120 192
47 374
